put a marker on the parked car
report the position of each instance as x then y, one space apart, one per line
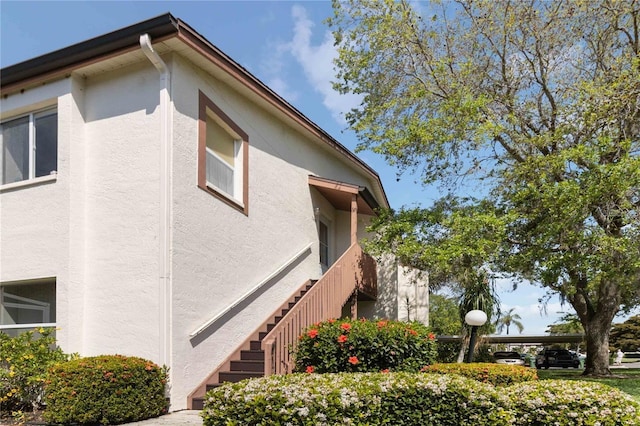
506 357
557 358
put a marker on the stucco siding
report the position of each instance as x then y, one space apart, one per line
121 212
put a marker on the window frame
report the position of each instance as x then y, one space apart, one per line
240 199
32 117
47 309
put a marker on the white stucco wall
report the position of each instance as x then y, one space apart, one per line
122 126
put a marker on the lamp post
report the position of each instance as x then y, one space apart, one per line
475 319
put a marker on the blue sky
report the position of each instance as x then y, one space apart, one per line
283 43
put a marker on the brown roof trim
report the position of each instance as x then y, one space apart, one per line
89 50
61 62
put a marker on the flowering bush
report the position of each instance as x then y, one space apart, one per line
495 374
414 399
107 389
364 346
571 402
24 361
356 399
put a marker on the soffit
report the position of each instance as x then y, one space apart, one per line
339 194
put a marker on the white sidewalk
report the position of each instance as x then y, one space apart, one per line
186 417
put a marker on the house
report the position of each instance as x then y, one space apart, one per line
160 201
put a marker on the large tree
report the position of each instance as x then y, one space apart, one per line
538 102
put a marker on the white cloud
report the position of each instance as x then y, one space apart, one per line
316 62
281 87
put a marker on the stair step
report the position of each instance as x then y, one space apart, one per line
255 345
262 335
252 355
236 376
246 365
270 326
197 403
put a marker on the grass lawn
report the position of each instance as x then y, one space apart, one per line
627 380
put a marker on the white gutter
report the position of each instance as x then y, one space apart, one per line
164 282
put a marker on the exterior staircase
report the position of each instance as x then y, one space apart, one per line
267 351
248 360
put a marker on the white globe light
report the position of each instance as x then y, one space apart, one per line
475 318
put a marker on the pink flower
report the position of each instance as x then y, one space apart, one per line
310 369
382 323
345 326
353 360
312 333
432 336
386 370
342 338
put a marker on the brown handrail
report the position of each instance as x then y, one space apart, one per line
354 270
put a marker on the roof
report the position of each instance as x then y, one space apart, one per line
60 63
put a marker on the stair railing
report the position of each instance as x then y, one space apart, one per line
355 269
285 265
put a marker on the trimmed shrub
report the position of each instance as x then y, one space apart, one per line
356 399
106 389
336 346
415 399
495 374
24 361
572 402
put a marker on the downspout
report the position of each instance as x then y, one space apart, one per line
164 281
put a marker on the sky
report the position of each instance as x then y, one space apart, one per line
284 43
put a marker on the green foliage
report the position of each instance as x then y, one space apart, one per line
508 319
108 389
626 336
445 320
494 374
24 361
356 399
572 402
534 106
366 346
415 399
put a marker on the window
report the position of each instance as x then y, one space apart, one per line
222 156
29 146
24 306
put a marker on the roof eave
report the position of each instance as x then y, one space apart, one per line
88 50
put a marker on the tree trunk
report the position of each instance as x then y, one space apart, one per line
464 345
597 336
596 319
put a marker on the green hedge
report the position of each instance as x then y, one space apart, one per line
106 389
415 399
356 399
336 346
572 402
495 374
